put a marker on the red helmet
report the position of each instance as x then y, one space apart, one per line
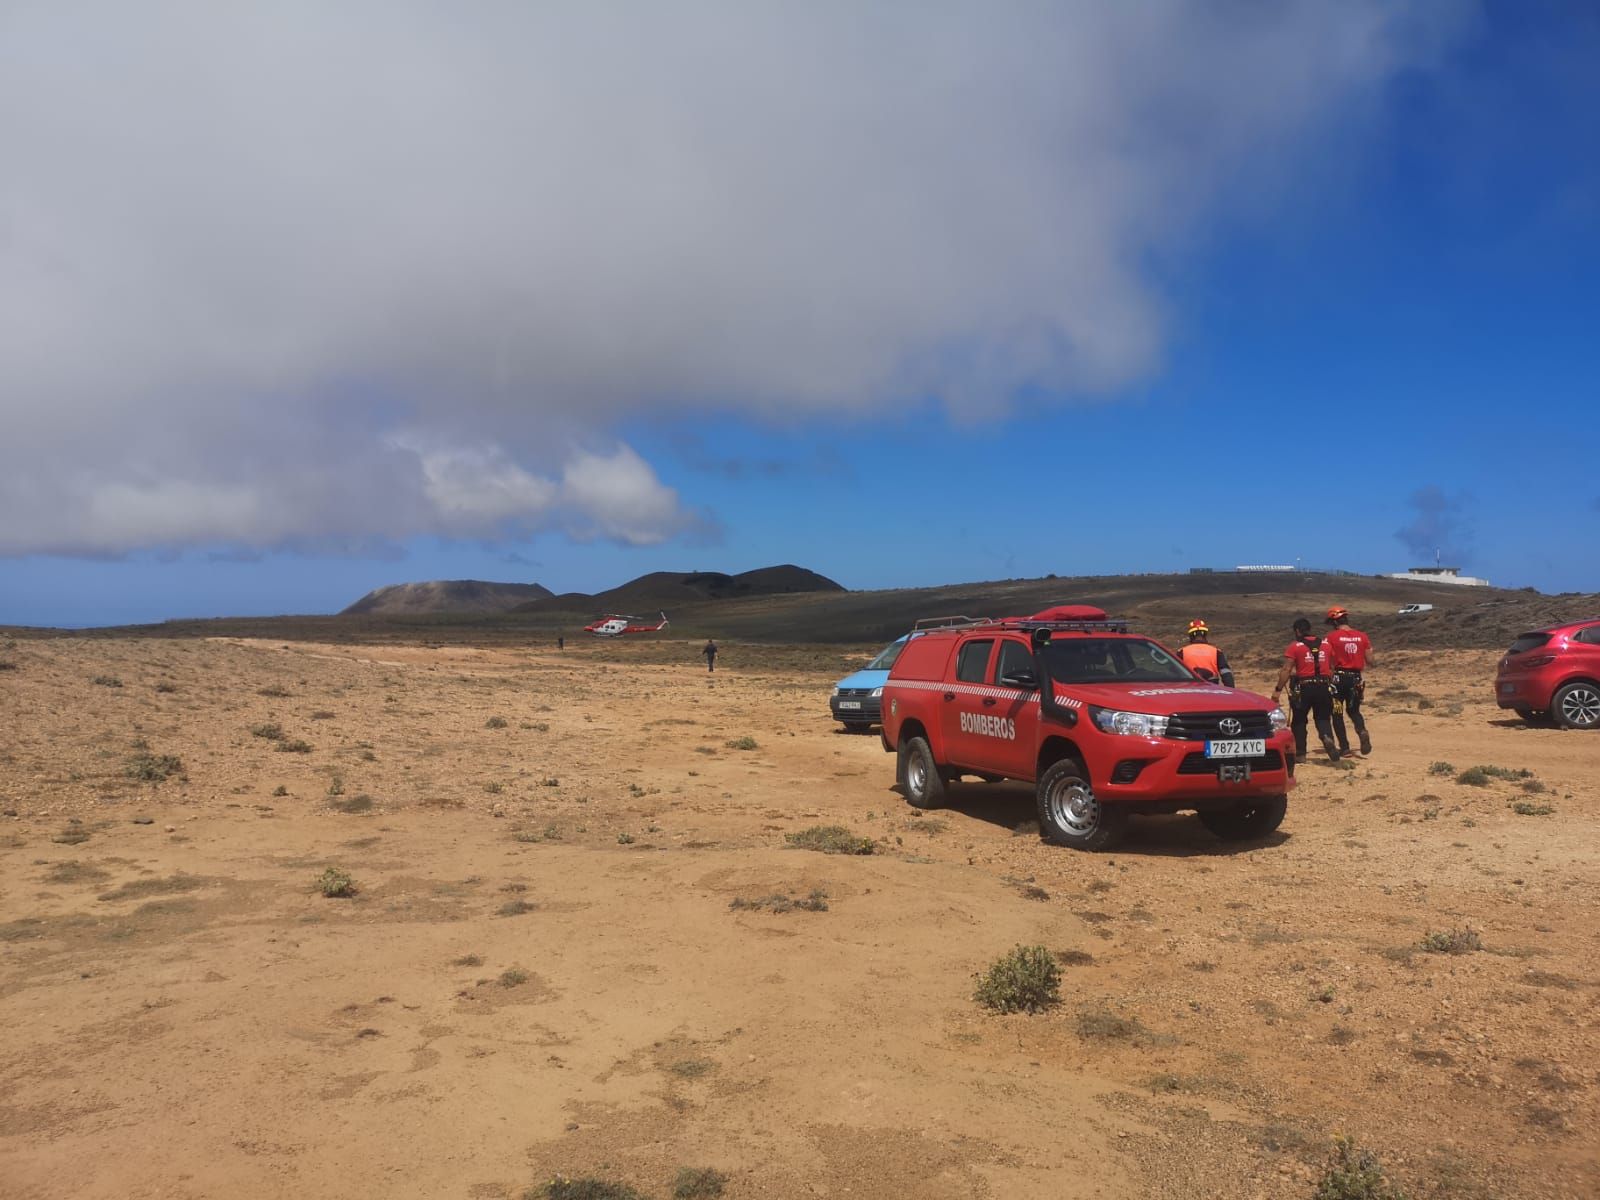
1338 613
1198 625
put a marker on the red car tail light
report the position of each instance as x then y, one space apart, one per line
1542 660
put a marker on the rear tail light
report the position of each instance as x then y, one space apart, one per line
1541 660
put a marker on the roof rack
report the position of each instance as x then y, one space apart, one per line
1109 625
942 622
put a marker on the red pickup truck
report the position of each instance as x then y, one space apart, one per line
1104 723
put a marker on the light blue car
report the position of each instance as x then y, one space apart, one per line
857 699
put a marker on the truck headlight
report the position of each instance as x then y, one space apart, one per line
1278 719
1132 724
877 691
835 691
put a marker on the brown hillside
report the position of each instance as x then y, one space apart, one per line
445 596
667 590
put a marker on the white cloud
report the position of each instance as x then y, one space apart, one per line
247 250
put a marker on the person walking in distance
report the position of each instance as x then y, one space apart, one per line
1351 653
1307 669
1204 659
710 651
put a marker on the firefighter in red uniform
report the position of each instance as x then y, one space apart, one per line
1204 659
1307 669
1350 652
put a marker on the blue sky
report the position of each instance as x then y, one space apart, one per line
1371 332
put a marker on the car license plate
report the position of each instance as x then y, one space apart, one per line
1233 772
1508 687
849 704
1237 748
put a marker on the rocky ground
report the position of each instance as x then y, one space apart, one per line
562 954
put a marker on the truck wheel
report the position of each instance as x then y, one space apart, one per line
1250 820
1069 815
1576 706
920 777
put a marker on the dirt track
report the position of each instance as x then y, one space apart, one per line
183 1015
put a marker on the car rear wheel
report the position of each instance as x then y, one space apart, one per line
1069 814
1247 821
1577 706
920 777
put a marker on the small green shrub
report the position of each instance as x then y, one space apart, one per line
1533 787
744 743
336 883
272 731
280 790
1101 1025
586 1188
1512 773
106 681
1024 980
698 1183
830 839
1454 941
1524 808
513 977
153 768
817 901
1441 768
624 839
1473 777
515 908
1355 1174
294 746
494 787
495 723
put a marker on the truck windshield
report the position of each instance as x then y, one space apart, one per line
1112 660
885 660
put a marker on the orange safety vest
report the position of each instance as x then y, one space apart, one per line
1201 658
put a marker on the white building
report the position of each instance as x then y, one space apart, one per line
1438 575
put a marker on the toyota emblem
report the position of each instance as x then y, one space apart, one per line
1231 726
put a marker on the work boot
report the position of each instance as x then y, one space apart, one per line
1366 743
1333 751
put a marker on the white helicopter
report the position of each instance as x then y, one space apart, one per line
613 625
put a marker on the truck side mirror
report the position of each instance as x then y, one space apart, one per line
1019 679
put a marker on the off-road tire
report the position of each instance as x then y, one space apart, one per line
1069 814
1576 706
1249 820
921 779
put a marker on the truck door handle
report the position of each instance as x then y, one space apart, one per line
949 695
988 701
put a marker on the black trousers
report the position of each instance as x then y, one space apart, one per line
1313 698
1348 690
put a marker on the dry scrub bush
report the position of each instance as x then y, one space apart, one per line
698 1183
336 884
153 768
1026 979
1455 941
562 1188
817 901
1355 1174
829 839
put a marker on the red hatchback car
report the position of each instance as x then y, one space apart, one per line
1553 674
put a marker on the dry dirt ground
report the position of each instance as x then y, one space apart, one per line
542 970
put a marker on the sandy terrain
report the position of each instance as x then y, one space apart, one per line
183 1014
